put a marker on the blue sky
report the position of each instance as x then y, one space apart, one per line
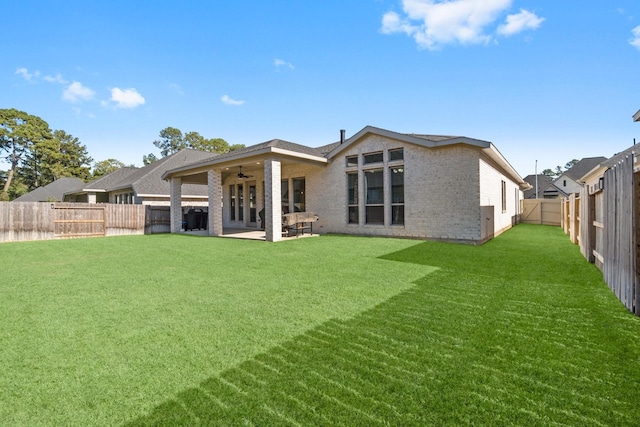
543 80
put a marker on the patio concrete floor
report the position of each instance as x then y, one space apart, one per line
245 233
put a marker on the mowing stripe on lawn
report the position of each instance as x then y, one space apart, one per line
484 340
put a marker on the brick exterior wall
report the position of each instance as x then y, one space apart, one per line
175 189
441 192
272 203
214 226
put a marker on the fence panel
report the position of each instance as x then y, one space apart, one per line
44 220
79 220
25 221
541 211
125 219
157 219
619 236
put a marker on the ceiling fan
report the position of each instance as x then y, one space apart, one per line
241 175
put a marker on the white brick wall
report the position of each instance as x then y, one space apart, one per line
491 195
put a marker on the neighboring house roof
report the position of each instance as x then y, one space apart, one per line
53 192
102 184
636 116
147 181
544 181
579 170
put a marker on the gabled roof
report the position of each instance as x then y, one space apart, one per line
636 116
544 181
106 181
51 192
581 168
429 141
147 181
434 141
329 151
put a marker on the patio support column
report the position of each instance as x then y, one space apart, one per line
214 185
272 201
175 197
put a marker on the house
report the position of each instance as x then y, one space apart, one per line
569 182
375 183
52 192
546 188
131 185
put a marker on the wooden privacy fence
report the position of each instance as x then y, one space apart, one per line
43 221
605 222
541 211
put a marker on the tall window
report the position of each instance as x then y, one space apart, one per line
504 196
397 196
352 197
240 203
284 195
232 202
298 195
374 191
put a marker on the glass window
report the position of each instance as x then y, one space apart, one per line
284 195
374 190
240 203
352 161
397 154
397 196
352 197
232 202
298 195
373 158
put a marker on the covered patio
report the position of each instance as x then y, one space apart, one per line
245 188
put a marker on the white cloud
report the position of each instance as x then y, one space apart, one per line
55 79
519 22
434 23
27 75
76 92
281 63
635 41
127 98
229 101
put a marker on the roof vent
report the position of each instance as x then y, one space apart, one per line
342 131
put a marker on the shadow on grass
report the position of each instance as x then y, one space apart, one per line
463 347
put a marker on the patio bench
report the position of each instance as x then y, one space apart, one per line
296 223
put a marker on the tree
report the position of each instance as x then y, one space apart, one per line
49 160
170 141
198 142
548 172
19 132
105 167
149 158
570 164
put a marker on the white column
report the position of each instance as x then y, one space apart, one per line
214 184
175 197
272 201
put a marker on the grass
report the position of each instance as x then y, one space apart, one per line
179 330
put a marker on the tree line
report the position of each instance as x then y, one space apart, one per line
37 155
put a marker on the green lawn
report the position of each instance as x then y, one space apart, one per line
182 330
